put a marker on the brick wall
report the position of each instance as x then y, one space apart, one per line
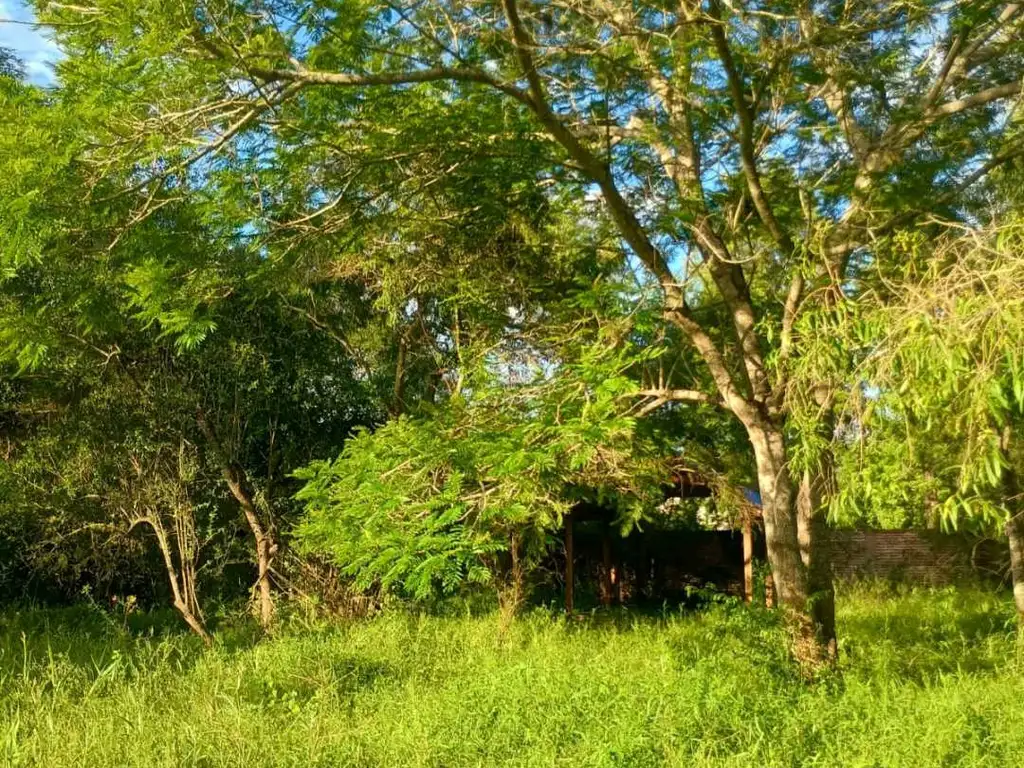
915 556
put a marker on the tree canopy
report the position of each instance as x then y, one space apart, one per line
460 260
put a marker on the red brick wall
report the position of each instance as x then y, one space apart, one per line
919 557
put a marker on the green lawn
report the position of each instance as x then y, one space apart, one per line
929 679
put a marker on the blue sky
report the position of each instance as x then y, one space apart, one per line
34 47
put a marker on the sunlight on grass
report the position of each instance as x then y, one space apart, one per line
930 678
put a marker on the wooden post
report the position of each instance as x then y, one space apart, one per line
568 565
643 572
748 560
606 571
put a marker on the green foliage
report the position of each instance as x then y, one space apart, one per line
943 345
101 324
425 503
888 480
238 231
390 510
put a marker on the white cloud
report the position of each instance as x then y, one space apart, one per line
33 46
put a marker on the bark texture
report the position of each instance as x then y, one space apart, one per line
811 510
802 583
780 529
1015 534
748 560
1013 494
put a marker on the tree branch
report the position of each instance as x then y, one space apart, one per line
621 212
664 396
732 284
436 74
789 314
959 60
978 99
745 117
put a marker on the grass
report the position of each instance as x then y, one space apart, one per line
930 678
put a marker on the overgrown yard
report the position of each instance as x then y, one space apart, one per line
929 679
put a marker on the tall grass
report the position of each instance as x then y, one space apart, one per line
930 678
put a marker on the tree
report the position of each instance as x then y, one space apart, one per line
11 67
119 414
749 157
945 347
471 490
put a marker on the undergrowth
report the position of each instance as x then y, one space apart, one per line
928 678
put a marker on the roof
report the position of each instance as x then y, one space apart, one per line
752 495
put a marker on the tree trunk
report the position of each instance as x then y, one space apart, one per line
811 506
512 589
1014 499
263 537
932 513
1015 533
569 555
606 569
265 547
781 530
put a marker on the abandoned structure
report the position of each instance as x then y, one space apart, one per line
664 561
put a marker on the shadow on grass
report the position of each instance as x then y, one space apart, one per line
917 635
887 632
90 639
911 635
353 674
287 689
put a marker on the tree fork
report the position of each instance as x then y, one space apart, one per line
184 602
266 547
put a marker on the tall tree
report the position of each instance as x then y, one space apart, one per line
749 156
117 413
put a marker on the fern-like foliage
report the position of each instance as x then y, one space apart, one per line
426 504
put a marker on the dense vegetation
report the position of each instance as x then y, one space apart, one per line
321 306
929 679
